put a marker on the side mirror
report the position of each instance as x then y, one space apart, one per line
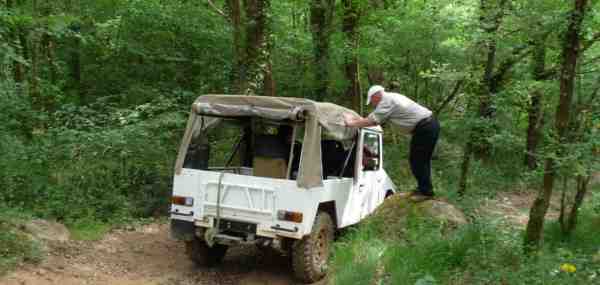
372 163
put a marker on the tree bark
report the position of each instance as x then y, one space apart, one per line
257 57
34 88
490 20
535 112
21 35
570 54
75 64
238 70
321 17
47 44
582 187
351 68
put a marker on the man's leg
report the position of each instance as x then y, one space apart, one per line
433 130
417 162
421 150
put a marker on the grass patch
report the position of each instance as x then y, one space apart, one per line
357 255
88 229
479 253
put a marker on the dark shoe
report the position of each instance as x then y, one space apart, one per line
420 197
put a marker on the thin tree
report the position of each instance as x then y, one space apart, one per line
350 21
258 75
570 55
321 19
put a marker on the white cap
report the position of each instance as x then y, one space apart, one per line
373 90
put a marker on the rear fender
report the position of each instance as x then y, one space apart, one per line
329 208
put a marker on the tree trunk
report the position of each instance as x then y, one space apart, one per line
75 65
489 22
238 69
464 169
21 35
47 44
321 17
34 84
269 81
351 68
535 112
570 54
491 17
257 57
582 186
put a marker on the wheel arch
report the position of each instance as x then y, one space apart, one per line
329 208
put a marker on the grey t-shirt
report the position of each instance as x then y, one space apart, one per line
400 110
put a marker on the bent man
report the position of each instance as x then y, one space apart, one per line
412 119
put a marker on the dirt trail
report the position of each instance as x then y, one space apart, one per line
147 256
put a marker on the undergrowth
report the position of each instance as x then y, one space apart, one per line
482 252
16 246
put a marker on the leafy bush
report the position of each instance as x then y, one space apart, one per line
83 166
15 246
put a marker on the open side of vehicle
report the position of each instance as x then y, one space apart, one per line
276 172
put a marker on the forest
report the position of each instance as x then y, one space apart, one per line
95 94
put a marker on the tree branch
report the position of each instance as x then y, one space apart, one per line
450 97
216 9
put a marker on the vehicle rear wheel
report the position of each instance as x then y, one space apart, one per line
204 255
310 255
388 194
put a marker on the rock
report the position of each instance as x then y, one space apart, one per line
47 230
442 211
396 209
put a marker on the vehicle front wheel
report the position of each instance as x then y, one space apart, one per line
310 255
202 254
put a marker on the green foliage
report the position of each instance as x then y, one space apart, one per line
90 131
105 165
15 246
484 252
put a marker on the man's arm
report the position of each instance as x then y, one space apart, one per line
358 122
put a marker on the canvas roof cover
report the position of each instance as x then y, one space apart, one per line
207 110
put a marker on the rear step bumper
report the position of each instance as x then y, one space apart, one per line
182 230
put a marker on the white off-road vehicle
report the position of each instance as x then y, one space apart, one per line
277 172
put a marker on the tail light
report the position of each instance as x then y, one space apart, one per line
183 201
295 217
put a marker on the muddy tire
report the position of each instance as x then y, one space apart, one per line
310 255
202 254
389 193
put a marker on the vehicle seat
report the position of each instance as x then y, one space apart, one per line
270 155
333 156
